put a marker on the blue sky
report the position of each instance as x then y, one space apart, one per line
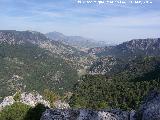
113 23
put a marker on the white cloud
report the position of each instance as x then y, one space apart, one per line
118 29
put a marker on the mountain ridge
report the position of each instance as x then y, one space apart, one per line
150 46
66 52
122 54
28 64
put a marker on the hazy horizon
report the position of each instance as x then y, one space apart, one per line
113 23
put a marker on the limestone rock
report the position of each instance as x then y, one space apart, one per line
84 114
7 101
150 109
33 99
26 98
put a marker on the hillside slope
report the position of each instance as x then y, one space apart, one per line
70 54
27 66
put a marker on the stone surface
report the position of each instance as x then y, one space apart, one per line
132 115
150 108
84 114
7 101
33 99
26 98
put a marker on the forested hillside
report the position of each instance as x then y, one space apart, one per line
124 90
28 67
76 58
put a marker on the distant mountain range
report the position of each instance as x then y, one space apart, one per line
75 41
134 48
37 38
70 54
114 58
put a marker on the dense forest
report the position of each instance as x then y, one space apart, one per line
124 90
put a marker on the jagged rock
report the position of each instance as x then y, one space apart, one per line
83 114
150 108
59 115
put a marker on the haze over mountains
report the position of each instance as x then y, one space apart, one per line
75 41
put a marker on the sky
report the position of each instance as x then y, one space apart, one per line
99 20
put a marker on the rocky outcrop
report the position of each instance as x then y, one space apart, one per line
26 98
33 99
150 108
84 114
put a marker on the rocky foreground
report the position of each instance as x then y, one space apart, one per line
87 115
149 110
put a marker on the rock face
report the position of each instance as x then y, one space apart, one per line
150 108
85 115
